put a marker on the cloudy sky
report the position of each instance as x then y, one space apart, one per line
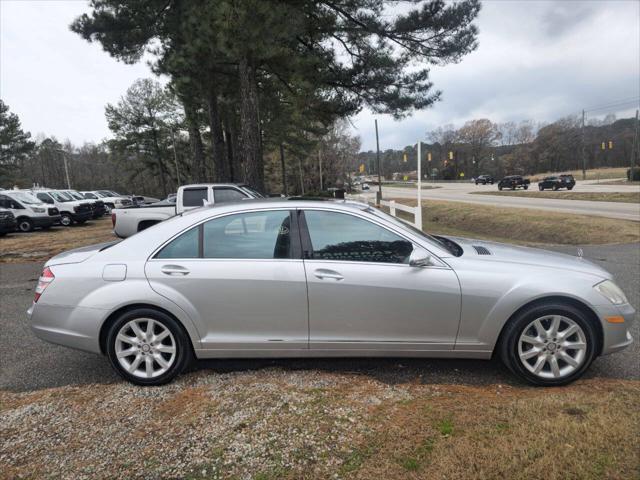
537 60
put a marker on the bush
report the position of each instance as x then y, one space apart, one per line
633 174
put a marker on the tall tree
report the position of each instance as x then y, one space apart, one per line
15 144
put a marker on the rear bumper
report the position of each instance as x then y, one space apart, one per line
617 336
74 327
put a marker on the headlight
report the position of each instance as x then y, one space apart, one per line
38 209
611 292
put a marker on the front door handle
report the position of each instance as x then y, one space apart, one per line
174 270
323 273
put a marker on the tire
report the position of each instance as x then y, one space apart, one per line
511 346
569 188
541 188
526 187
25 225
66 220
177 339
500 187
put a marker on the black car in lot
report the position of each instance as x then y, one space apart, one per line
513 182
7 222
557 182
484 179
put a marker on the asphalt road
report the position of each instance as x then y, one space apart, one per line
462 192
27 363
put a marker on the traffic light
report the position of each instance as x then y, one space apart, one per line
450 155
428 156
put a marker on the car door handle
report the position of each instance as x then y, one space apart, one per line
322 273
174 270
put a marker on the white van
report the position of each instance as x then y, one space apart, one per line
71 210
28 210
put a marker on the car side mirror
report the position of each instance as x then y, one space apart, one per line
420 258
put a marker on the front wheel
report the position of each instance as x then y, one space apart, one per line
66 220
148 347
549 344
25 225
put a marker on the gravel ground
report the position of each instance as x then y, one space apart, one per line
28 363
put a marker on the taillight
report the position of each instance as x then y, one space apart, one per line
43 282
113 220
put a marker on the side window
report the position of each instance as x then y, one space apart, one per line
185 246
194 197
339 236
249 235
226 194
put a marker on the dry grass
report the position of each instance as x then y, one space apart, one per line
621 197
43 244
594 174
277 423
524 226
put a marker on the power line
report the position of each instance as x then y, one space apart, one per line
634 101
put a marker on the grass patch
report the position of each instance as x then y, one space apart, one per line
520 225
445 427
621 197
44 244
593 174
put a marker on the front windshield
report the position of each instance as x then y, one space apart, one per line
61 197
93 196
252 191
104 193
401 223
25 198
75 194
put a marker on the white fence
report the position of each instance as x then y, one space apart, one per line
393 208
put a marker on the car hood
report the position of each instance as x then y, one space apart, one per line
78 255
526 256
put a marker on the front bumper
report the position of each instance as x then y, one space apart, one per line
617 336
82 216
45 221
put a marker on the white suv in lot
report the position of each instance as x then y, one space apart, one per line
110 199
28 210
71 210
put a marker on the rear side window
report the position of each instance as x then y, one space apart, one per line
222 195
194 197
260 235
185 246
343 237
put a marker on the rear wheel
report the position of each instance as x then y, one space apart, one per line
549 344
148 347
25 224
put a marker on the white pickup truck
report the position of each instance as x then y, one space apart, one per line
131 220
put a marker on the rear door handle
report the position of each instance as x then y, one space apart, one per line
174 270
323 273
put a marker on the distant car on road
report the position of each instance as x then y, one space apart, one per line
484 179
513 182
557 182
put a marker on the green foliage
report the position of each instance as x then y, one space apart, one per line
15 144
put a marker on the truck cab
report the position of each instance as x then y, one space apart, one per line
71 210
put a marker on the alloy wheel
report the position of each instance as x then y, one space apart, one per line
145 348
552 347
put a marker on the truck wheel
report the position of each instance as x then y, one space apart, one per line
569 188
526 187
66 220
25 224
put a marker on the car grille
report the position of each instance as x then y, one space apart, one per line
54 211
481 250
83 207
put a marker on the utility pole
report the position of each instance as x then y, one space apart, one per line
284 173
320 166
66 167
175 155
379 194
584 158
635 149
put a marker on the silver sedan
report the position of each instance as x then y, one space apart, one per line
293 278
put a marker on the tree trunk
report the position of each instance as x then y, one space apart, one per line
220 163
195 141
250 142
156 146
